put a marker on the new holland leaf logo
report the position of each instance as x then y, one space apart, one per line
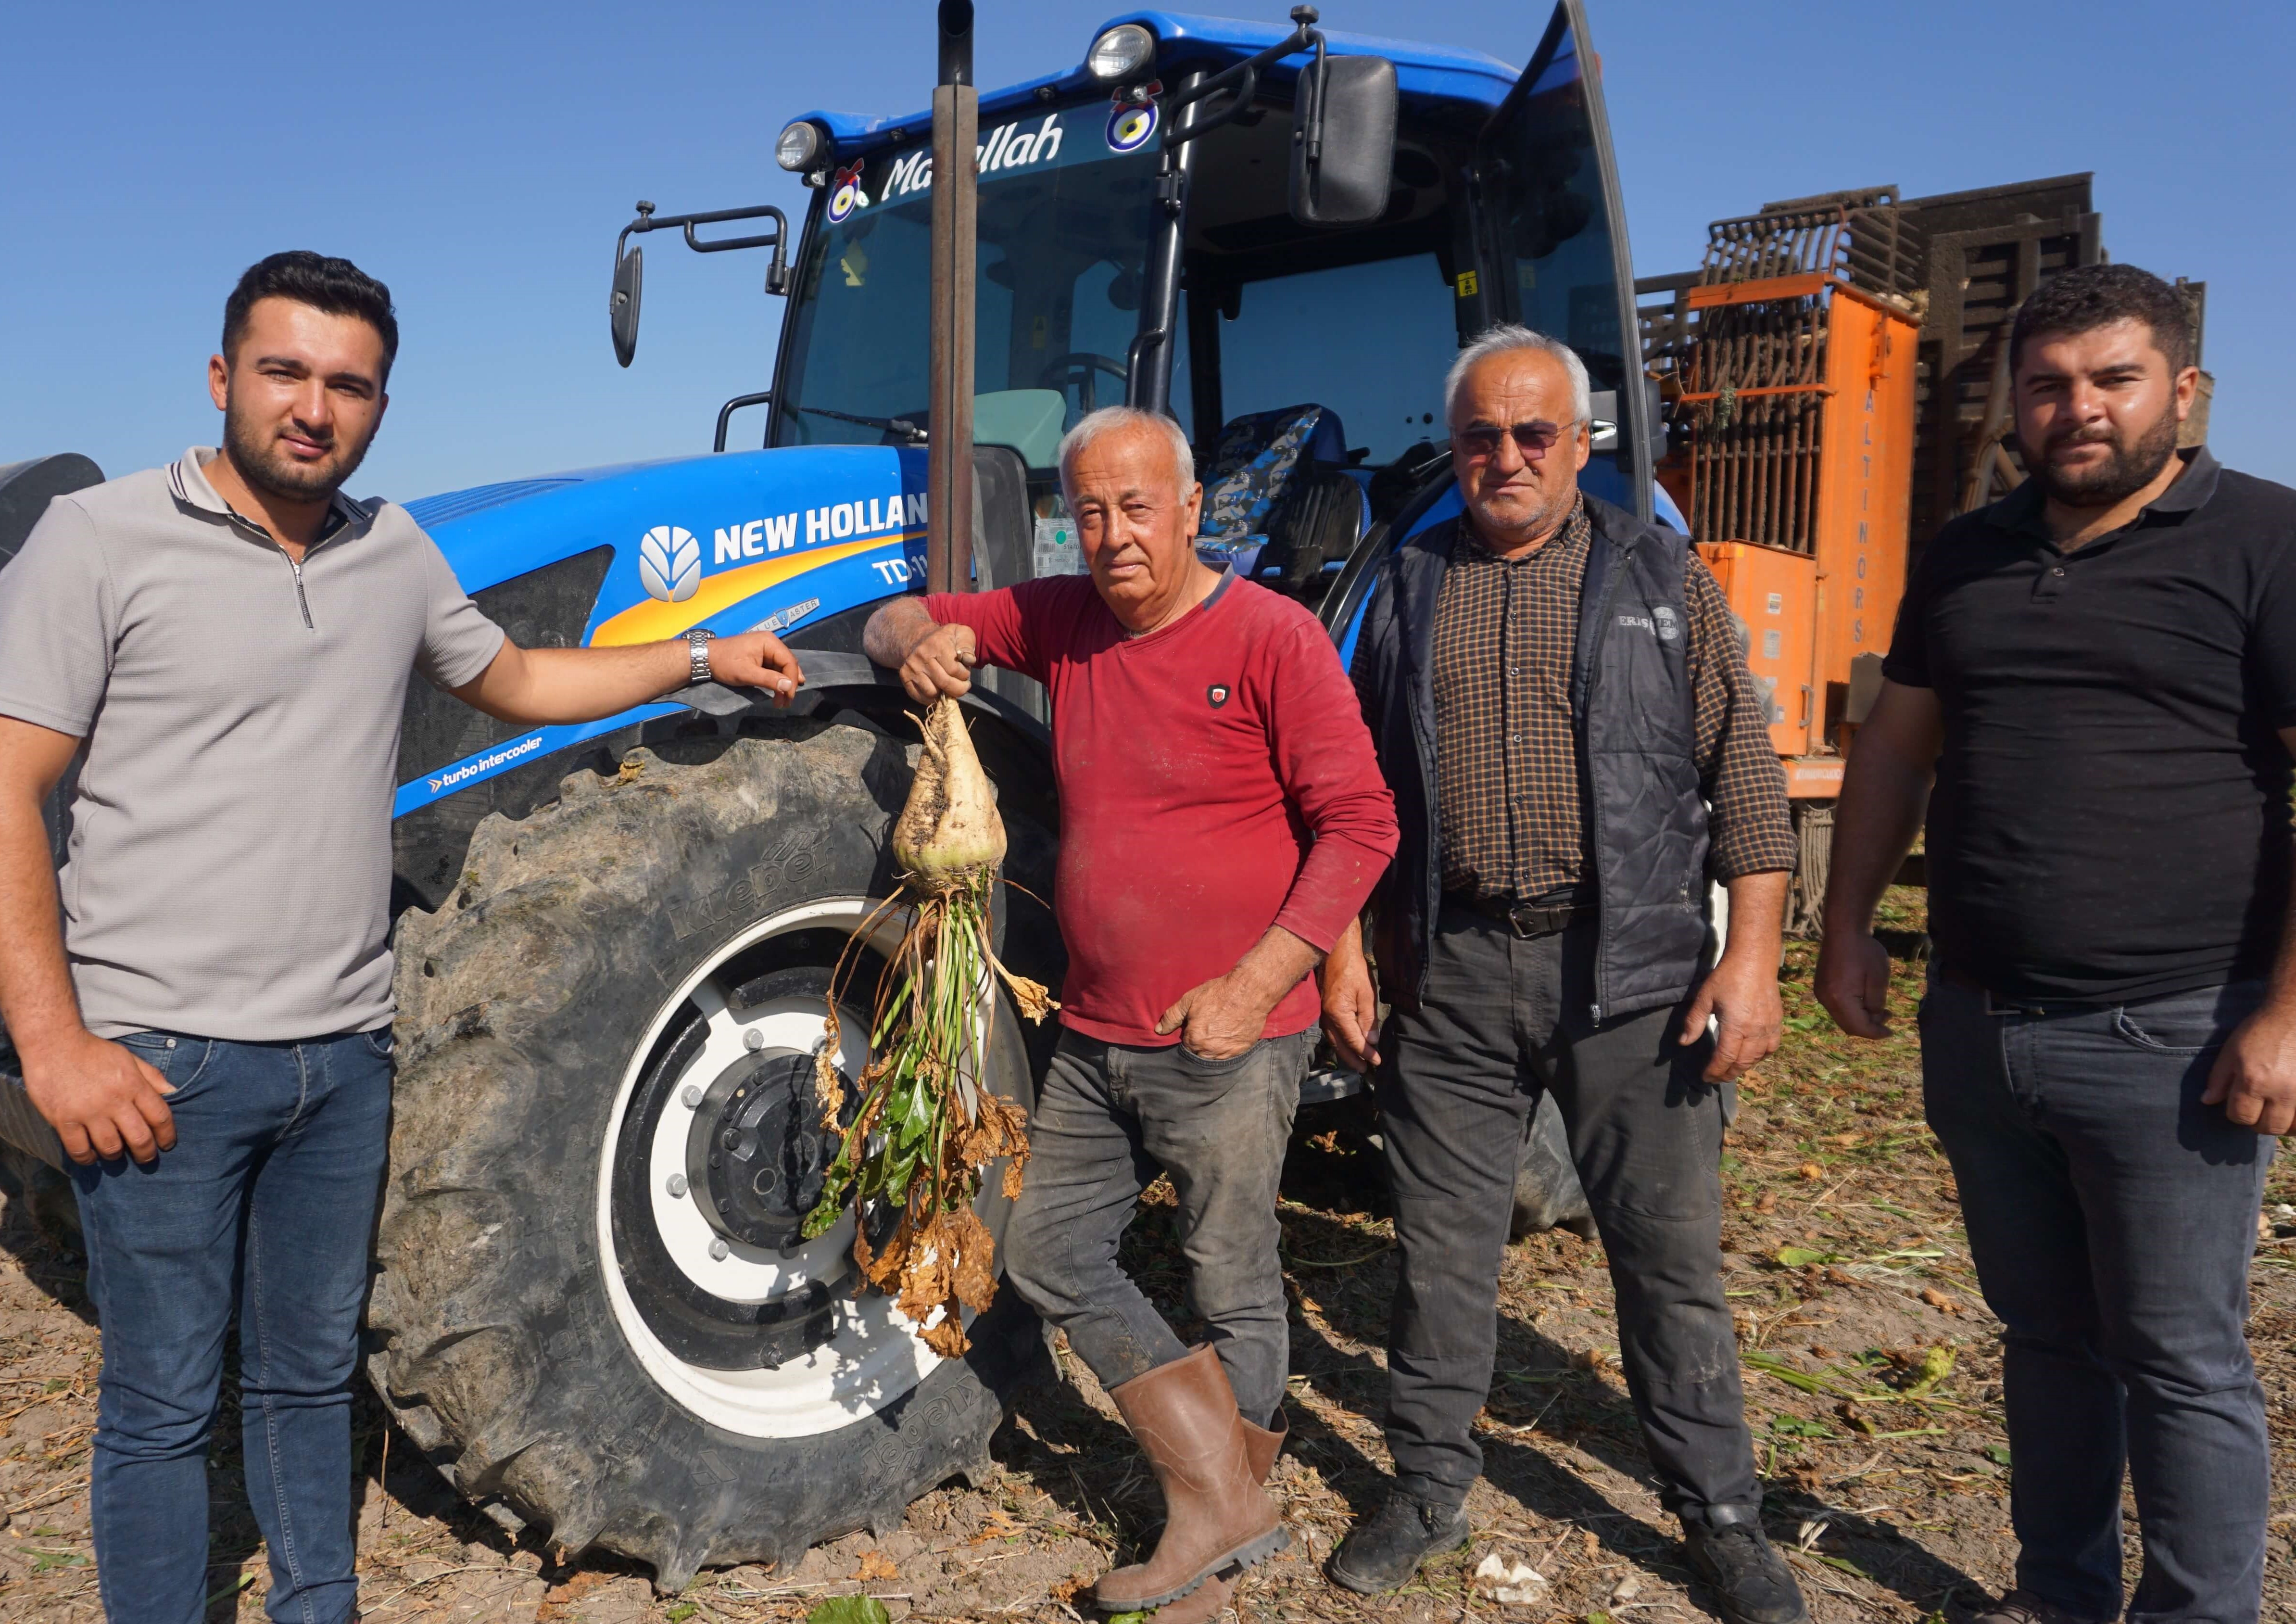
670 563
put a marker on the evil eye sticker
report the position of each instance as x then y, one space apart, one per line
1130 125
848 195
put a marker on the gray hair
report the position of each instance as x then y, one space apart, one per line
1505 338
1092 425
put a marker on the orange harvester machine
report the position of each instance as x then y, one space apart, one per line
1788 360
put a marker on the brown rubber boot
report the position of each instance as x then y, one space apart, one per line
1262 1445
1215 1514
1205 1604
1209 1599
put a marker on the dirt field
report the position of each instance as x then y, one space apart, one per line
1872 1377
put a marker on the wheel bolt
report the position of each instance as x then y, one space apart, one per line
692 1098
676 1185
718 1250
753 1041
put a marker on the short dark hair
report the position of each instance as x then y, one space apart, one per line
321 281
2092 296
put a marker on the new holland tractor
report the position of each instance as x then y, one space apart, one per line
594 1307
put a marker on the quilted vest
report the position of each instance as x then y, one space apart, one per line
1630 687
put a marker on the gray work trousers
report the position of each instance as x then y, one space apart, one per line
1501 1018
1109 1117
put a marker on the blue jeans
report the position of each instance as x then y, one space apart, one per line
267 1204
2111 1216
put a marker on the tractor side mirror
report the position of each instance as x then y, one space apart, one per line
622 308
1343 141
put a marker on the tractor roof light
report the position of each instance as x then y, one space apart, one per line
1119 54
800 146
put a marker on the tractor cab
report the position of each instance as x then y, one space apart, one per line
1280 237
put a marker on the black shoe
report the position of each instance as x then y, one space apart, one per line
1385 1549
1751 1581
2023 1607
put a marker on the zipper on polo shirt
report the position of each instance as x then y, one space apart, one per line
255 530
341 523
302 599
301 602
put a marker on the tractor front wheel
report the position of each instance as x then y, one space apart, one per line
595 1310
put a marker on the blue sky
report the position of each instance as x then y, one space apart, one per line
479 159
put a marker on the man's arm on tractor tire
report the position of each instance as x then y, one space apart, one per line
932 659
99 1098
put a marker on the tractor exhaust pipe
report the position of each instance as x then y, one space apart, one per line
955 216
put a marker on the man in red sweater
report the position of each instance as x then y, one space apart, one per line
1223 819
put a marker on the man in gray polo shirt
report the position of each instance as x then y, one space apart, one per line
208 1031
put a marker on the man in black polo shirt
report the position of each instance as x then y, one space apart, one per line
2100 674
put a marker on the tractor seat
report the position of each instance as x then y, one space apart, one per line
1278 500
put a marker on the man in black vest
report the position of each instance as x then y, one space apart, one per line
2098 674
1556 692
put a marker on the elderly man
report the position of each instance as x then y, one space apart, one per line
2098 672
1557 696
1222 823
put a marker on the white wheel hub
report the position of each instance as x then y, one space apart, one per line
872 1355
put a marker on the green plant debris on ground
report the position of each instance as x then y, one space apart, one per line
849 1610
1802 1256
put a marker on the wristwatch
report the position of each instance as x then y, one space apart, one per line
697 643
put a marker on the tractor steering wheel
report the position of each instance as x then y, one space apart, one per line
1078 366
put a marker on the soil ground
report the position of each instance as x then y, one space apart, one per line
1846 1265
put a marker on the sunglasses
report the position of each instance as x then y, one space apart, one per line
1481 441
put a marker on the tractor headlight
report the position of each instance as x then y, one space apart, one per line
800 146
1120 53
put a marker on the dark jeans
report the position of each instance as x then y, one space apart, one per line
2111 1216
267 1204
1111 1116
1503 1017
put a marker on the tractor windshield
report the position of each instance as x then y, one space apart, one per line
1065 213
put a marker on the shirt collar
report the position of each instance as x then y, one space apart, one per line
2194 487
2020 510
188 480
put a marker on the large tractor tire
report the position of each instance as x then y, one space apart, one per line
594 1309
1547 1190
1813 827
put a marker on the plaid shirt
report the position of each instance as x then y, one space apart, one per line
1508 786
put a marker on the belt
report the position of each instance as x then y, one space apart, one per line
1954 976
1525 919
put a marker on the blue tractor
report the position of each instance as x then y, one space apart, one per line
594 1309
